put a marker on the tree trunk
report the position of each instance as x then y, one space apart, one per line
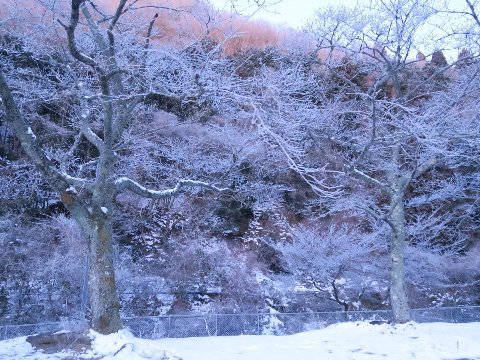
104 302
398 294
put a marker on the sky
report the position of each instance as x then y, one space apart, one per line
290 12
293 13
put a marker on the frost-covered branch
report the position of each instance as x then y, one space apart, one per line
427 166
125 183
369 180
70 29
29 141
90 135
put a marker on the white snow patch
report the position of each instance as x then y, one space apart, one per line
104 210
72 190
30 132
355 340
260 277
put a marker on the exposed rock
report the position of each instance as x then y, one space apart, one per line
53 343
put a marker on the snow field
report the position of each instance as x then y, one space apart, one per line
356 340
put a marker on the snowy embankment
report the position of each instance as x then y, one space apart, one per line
359 340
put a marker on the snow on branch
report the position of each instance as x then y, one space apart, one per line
125 183
427 166
70 29
91 136
362 176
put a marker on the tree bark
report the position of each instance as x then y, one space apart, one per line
398 294
104 302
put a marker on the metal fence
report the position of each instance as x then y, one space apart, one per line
180 326
9 144
13 331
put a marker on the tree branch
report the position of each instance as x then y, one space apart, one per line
372 136
125 183
369 180
149 32
117 15
473 13
70 29
94 29
28 140
427 166
378 217
90 135
69 154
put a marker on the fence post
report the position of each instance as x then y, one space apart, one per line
169 327
258 324
216 324
84 298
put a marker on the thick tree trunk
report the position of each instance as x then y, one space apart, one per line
398 294
104 302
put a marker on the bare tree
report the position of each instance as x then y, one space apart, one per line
398 129
371 112
118 74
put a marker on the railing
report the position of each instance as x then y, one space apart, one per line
180 326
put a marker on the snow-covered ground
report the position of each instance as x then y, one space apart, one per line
359 340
